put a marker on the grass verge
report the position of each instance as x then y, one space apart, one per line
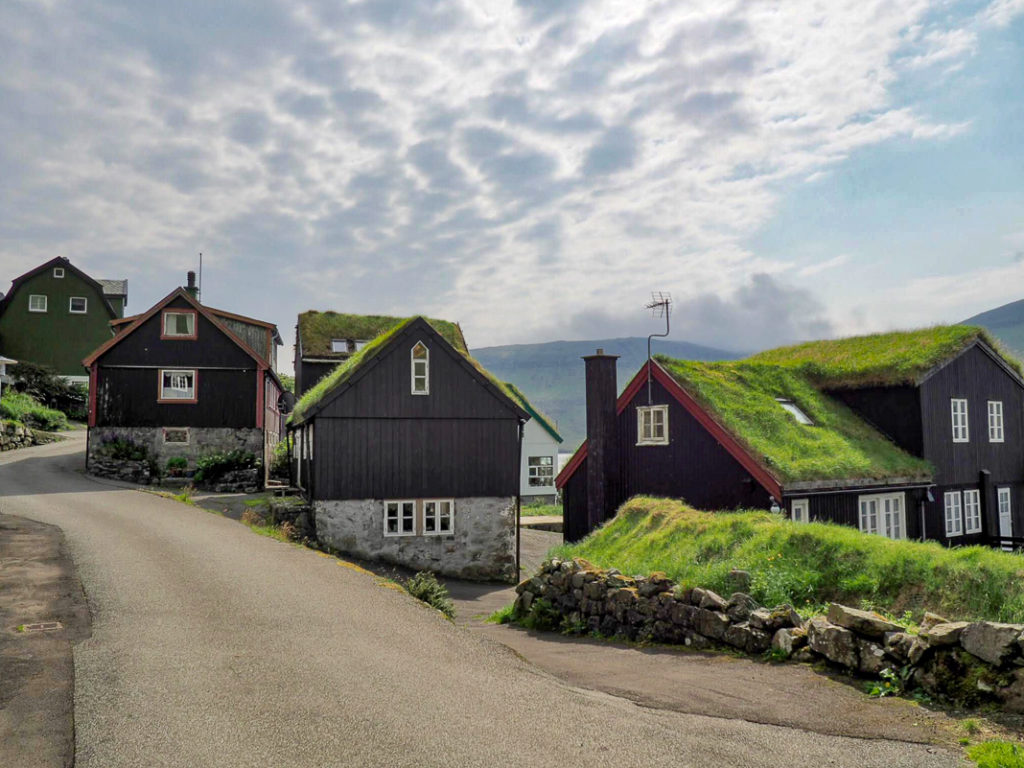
541 510
997 754
806 565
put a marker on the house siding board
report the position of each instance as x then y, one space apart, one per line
976 376
128 397
255 336
308 374
895 411
844 508
212 348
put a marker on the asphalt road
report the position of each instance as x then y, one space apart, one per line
212 646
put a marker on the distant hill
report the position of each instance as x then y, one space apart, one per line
1006 323
551 374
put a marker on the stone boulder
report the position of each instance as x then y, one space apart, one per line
930 620
898 644
873 658
748 639
991 641
740 606
835 643
711 601
944 634
711 624
789 640
866 623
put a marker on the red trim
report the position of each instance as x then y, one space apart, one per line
261 387
173 310
174 400
93 377
725 439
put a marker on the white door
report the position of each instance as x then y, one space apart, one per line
1005 516
893 523
801 512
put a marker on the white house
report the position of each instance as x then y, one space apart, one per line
540 455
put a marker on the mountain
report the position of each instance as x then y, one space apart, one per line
1006 323
551 374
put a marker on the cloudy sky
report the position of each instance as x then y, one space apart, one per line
531 168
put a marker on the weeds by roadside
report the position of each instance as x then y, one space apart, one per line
425 586
997 754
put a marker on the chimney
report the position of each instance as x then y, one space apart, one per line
602 442
191 287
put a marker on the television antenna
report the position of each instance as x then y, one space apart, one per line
660 306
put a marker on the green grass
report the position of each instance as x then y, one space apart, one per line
18 406
317 329
806 565
425 587
900 357
839 445
501 616
997 754
540 510
536 414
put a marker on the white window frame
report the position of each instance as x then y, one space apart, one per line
335 343
952 509
164 334
179 372
972 511
186 430
438 517
800 510
881 522
543 474
46 302
996 433
413 362
58 272
400 509
651 439
795 411
961 425
83 310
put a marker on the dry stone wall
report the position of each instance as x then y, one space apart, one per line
967 663
14 435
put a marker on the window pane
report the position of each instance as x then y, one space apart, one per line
419 352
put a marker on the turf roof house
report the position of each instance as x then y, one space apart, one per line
409 452
540 453
55 314
185 380
909 435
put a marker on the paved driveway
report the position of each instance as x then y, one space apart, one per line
212 646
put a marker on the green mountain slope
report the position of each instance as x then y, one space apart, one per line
1006 323
551 374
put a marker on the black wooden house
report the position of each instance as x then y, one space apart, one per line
183 380
409 452
908 435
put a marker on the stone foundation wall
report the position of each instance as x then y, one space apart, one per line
14 436
481 548
202 440
967 663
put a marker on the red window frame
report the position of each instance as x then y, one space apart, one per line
163 324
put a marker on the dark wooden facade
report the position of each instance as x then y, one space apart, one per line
696 466
308 373
371 438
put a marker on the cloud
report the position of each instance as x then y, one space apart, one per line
815 269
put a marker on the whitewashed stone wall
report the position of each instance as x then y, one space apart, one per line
482 548
202 440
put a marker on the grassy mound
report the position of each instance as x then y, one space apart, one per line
806 565
23 408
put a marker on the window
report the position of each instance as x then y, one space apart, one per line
995 421
972 511
179 324
360 344
176 435
954 521
420 369
78 305
339 345
1005 516
960 433
652 425
800 511
438 517
58 272
399 518
794 410
542 471
177 386
884 514
36 303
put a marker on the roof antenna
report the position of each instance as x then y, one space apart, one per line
200 296
660 306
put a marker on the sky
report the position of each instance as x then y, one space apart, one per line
530 168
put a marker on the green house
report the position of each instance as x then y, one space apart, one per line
55 315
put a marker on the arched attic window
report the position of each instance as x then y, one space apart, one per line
420 369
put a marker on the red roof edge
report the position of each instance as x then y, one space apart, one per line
724 438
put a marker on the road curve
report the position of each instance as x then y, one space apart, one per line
212 646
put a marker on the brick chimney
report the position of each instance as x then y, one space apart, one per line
602 443
192 288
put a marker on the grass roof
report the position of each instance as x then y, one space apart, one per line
541 418
344 371
317 329
839 446
882 359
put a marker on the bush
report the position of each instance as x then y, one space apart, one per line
22 407
279 461
123 449
213 466
425 586
43 385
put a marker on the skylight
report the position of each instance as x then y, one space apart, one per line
794 410
339 345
